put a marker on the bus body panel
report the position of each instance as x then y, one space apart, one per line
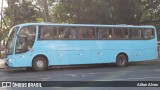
68 53
71 52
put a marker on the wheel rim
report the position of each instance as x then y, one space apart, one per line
122 60
40 63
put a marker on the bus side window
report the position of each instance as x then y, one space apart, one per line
85 33
131 31
79 34
90 33
54 32
125 33
67 33
95 32
48 32
119 33
44 33
147 33
64 33
104 33
73 33
136 33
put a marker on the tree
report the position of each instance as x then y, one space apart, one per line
23 12
106 11
44 6
16 13
82 11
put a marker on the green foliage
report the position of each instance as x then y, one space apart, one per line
106 11
134 12
24 12
83 11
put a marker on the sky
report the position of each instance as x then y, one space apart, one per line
4 3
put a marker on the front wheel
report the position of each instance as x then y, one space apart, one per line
121 60
39 63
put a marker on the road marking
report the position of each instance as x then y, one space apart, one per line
131 79
126 70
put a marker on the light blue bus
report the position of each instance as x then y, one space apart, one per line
40 45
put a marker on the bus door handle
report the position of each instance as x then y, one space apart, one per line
140 52
80 54
99 53
22 56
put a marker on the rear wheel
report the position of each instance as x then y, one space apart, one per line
39 63
121 60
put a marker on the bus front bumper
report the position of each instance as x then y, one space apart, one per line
9 63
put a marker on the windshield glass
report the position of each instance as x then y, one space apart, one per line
10 41
25 39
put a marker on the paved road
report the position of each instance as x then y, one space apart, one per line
140 71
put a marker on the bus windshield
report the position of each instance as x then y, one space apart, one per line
25 39
10 41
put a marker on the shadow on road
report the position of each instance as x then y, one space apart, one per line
71 67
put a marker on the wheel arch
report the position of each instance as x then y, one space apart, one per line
123 54
41 55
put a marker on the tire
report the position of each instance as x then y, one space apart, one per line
39 64
121 60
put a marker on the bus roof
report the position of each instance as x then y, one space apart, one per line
87 25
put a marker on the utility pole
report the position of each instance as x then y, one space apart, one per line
1 14
1 22
1 27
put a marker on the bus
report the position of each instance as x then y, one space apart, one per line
41 45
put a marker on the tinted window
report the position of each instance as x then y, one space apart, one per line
104 33
67 33
121 33
48 32
148 33
25 39
85 33
136 33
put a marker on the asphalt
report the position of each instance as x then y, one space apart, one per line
2 63
137 71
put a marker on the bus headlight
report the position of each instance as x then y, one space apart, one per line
10 60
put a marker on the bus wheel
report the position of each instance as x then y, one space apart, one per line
121 60
39 63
